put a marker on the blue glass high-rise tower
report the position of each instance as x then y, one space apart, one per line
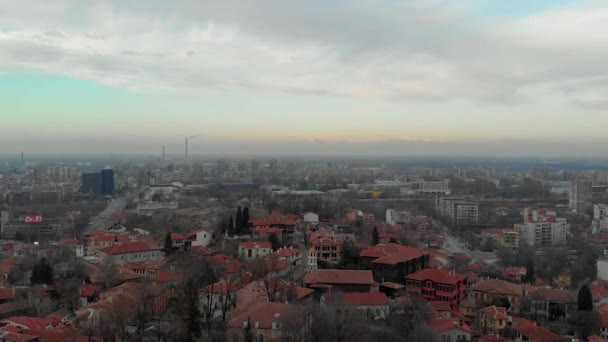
107 181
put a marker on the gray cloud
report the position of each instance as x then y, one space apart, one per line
418 51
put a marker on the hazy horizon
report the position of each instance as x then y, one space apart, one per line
354 78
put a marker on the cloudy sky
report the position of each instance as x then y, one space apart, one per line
306 77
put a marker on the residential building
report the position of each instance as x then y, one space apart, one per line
375 305
600 219
509 238
131 251
430 187
457 209
266 321
293 256
251 250
311 262
201 237
275 220
393 262
529 331
489 291
555 306
493 319
326 245
324 280
581 195
542 228
451 330
438 285
177 240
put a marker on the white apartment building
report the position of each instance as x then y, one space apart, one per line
458 209
543 228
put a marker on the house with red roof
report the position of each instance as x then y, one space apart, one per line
275 220
513 274
7 294
489 291
393 262
88 293
451 329
324 280
132 251
326 245
177 240
293 256
251 250
26 322
532 332
218 299
435 284
493 319
266 322
374 304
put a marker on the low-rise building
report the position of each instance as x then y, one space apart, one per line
438 285
132 251
375 305
325 280
250 250
393 262
550 306
452 330
493 319
201 237
266 322
487 292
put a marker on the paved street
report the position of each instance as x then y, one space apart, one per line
454 245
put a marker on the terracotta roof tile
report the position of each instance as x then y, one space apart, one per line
538 334
498 286
339 277
131 247
442 325
392 254
358 299
255 244
495 312
437 275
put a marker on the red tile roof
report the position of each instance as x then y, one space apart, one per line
195 232
131 247
122 237
262 315
286 252
392 254
554 295
69 241
494 312
537 334
358 299
29 322
498 286
462 257
437 276
339 277
301 292
595 338
6 293
177 236
13 337
255 244
89 290
442 325
268 230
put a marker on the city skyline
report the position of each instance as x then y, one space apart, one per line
354 78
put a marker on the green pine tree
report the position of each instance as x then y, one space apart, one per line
239 221
375 236
168 247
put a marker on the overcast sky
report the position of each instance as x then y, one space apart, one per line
515 77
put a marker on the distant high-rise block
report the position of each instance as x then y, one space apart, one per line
91 183
107 181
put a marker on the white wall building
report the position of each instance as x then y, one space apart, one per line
311 218
250 250
458 209
544 233
602 268
201 237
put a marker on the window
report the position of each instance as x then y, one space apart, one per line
249 253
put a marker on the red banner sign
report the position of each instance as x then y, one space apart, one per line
33 219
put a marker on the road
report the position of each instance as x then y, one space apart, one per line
454 245
117 204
